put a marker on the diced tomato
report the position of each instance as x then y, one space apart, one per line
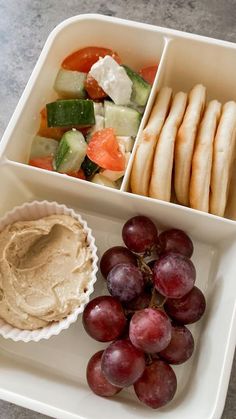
103 149
149 73
93 89
79 174
83 59
42 162
45 131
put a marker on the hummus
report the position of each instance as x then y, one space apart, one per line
45 267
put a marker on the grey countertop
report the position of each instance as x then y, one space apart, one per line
24 27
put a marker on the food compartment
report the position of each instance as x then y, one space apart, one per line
188 62
205 61
50 376
143 47
52 373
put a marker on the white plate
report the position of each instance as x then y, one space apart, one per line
50 376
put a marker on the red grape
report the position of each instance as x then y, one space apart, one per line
122 363
187 309
157 386
104 319
139 234
180 347
174 275
96 379
176 241
150 330
140 302
114 256
125 281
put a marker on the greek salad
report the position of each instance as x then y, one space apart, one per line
89 131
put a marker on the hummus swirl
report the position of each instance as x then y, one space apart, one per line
45 266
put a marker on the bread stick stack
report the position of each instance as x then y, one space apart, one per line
187 146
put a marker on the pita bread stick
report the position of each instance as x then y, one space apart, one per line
160 185
199 191
142 165
223 157
185 143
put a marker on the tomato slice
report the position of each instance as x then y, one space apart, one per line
45 131
93 89
79 174
103 149
42 162
83 59
149 73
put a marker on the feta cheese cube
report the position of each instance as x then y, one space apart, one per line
121 148
112 78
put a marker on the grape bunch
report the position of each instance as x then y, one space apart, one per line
152 298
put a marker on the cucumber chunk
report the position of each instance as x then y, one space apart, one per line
112 174
134 105
70 112
101 180
99 124
89 167
71 152
123 119
70 84
98 108
43 147
141 89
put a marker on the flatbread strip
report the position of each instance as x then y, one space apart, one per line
202 158
230 210
160 185
142 165
185 143
223 155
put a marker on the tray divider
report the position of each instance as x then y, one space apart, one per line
155 88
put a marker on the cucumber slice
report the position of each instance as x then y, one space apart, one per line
141 89
98 108
123 119
99 124
70 84
134 105
43 147
89 167
101 180
70 112
112 174
71 152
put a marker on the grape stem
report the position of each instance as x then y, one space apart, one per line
143 266
157 300
148 359
145 269
151 357
152 303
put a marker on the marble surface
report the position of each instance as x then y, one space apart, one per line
24 27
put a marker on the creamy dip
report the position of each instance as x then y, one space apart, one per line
45 267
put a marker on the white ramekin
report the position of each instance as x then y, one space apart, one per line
33 211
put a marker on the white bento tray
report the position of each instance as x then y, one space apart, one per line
49 376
